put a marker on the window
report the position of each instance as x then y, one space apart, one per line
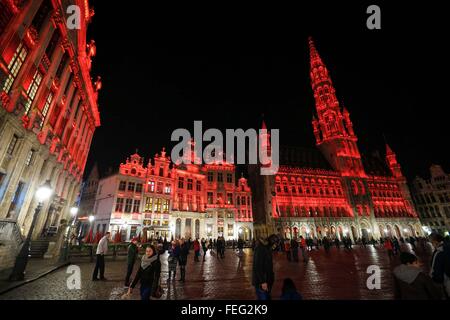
151 186
219 197
161 172
230 230
122 185
198 201
48 102
14 208
243 201
210 197
229 198
180 183
12 145
14 66
148 204
189 184
30 157
220 177
2 177
52 44
128 204
189 201
167 189
165 206
139 187
6 14
180 201
199 186
131 186
119 205
158 205
41 15
32 90
136 206
159 187
62 64
229 178
210 176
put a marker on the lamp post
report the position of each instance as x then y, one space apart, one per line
43 193
65 254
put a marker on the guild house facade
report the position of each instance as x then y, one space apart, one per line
160 199
48 115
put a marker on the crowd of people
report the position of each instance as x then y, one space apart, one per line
410 282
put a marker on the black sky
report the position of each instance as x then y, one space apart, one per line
163 68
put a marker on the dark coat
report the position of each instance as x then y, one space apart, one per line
412 284
132 253
148 277
184 251
262 266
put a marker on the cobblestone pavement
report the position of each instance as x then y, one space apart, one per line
338 274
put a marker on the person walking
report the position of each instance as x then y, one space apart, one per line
240 246
174 253
304 249
287 249
102 250
289 291
148 274
196 250
326 244
389 248
411 283
182 258
337 243
204 248
132 254
396 246
262 273
294 248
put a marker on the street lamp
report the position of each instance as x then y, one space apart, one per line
73 212
91 219
43 193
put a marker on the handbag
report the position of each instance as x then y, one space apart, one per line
159 291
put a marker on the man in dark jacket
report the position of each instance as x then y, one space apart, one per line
440 263
182 258
131 259
411 283
262 275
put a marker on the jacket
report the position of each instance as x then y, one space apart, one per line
412 284
132 253
149 277
262 266
102 247
184 251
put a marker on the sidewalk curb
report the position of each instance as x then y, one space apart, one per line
15 286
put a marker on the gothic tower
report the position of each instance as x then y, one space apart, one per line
333 128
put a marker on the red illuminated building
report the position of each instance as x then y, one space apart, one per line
173 201
48 115
333 191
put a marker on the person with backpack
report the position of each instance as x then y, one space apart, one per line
411 283
440 263
132 255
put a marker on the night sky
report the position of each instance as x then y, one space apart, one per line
163 68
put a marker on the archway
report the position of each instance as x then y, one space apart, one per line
188 228
388 231
178 229
287 233
197 229
354 233
295 229
382 230
398 234
303 232
364 232
340 232
333 232
245 233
